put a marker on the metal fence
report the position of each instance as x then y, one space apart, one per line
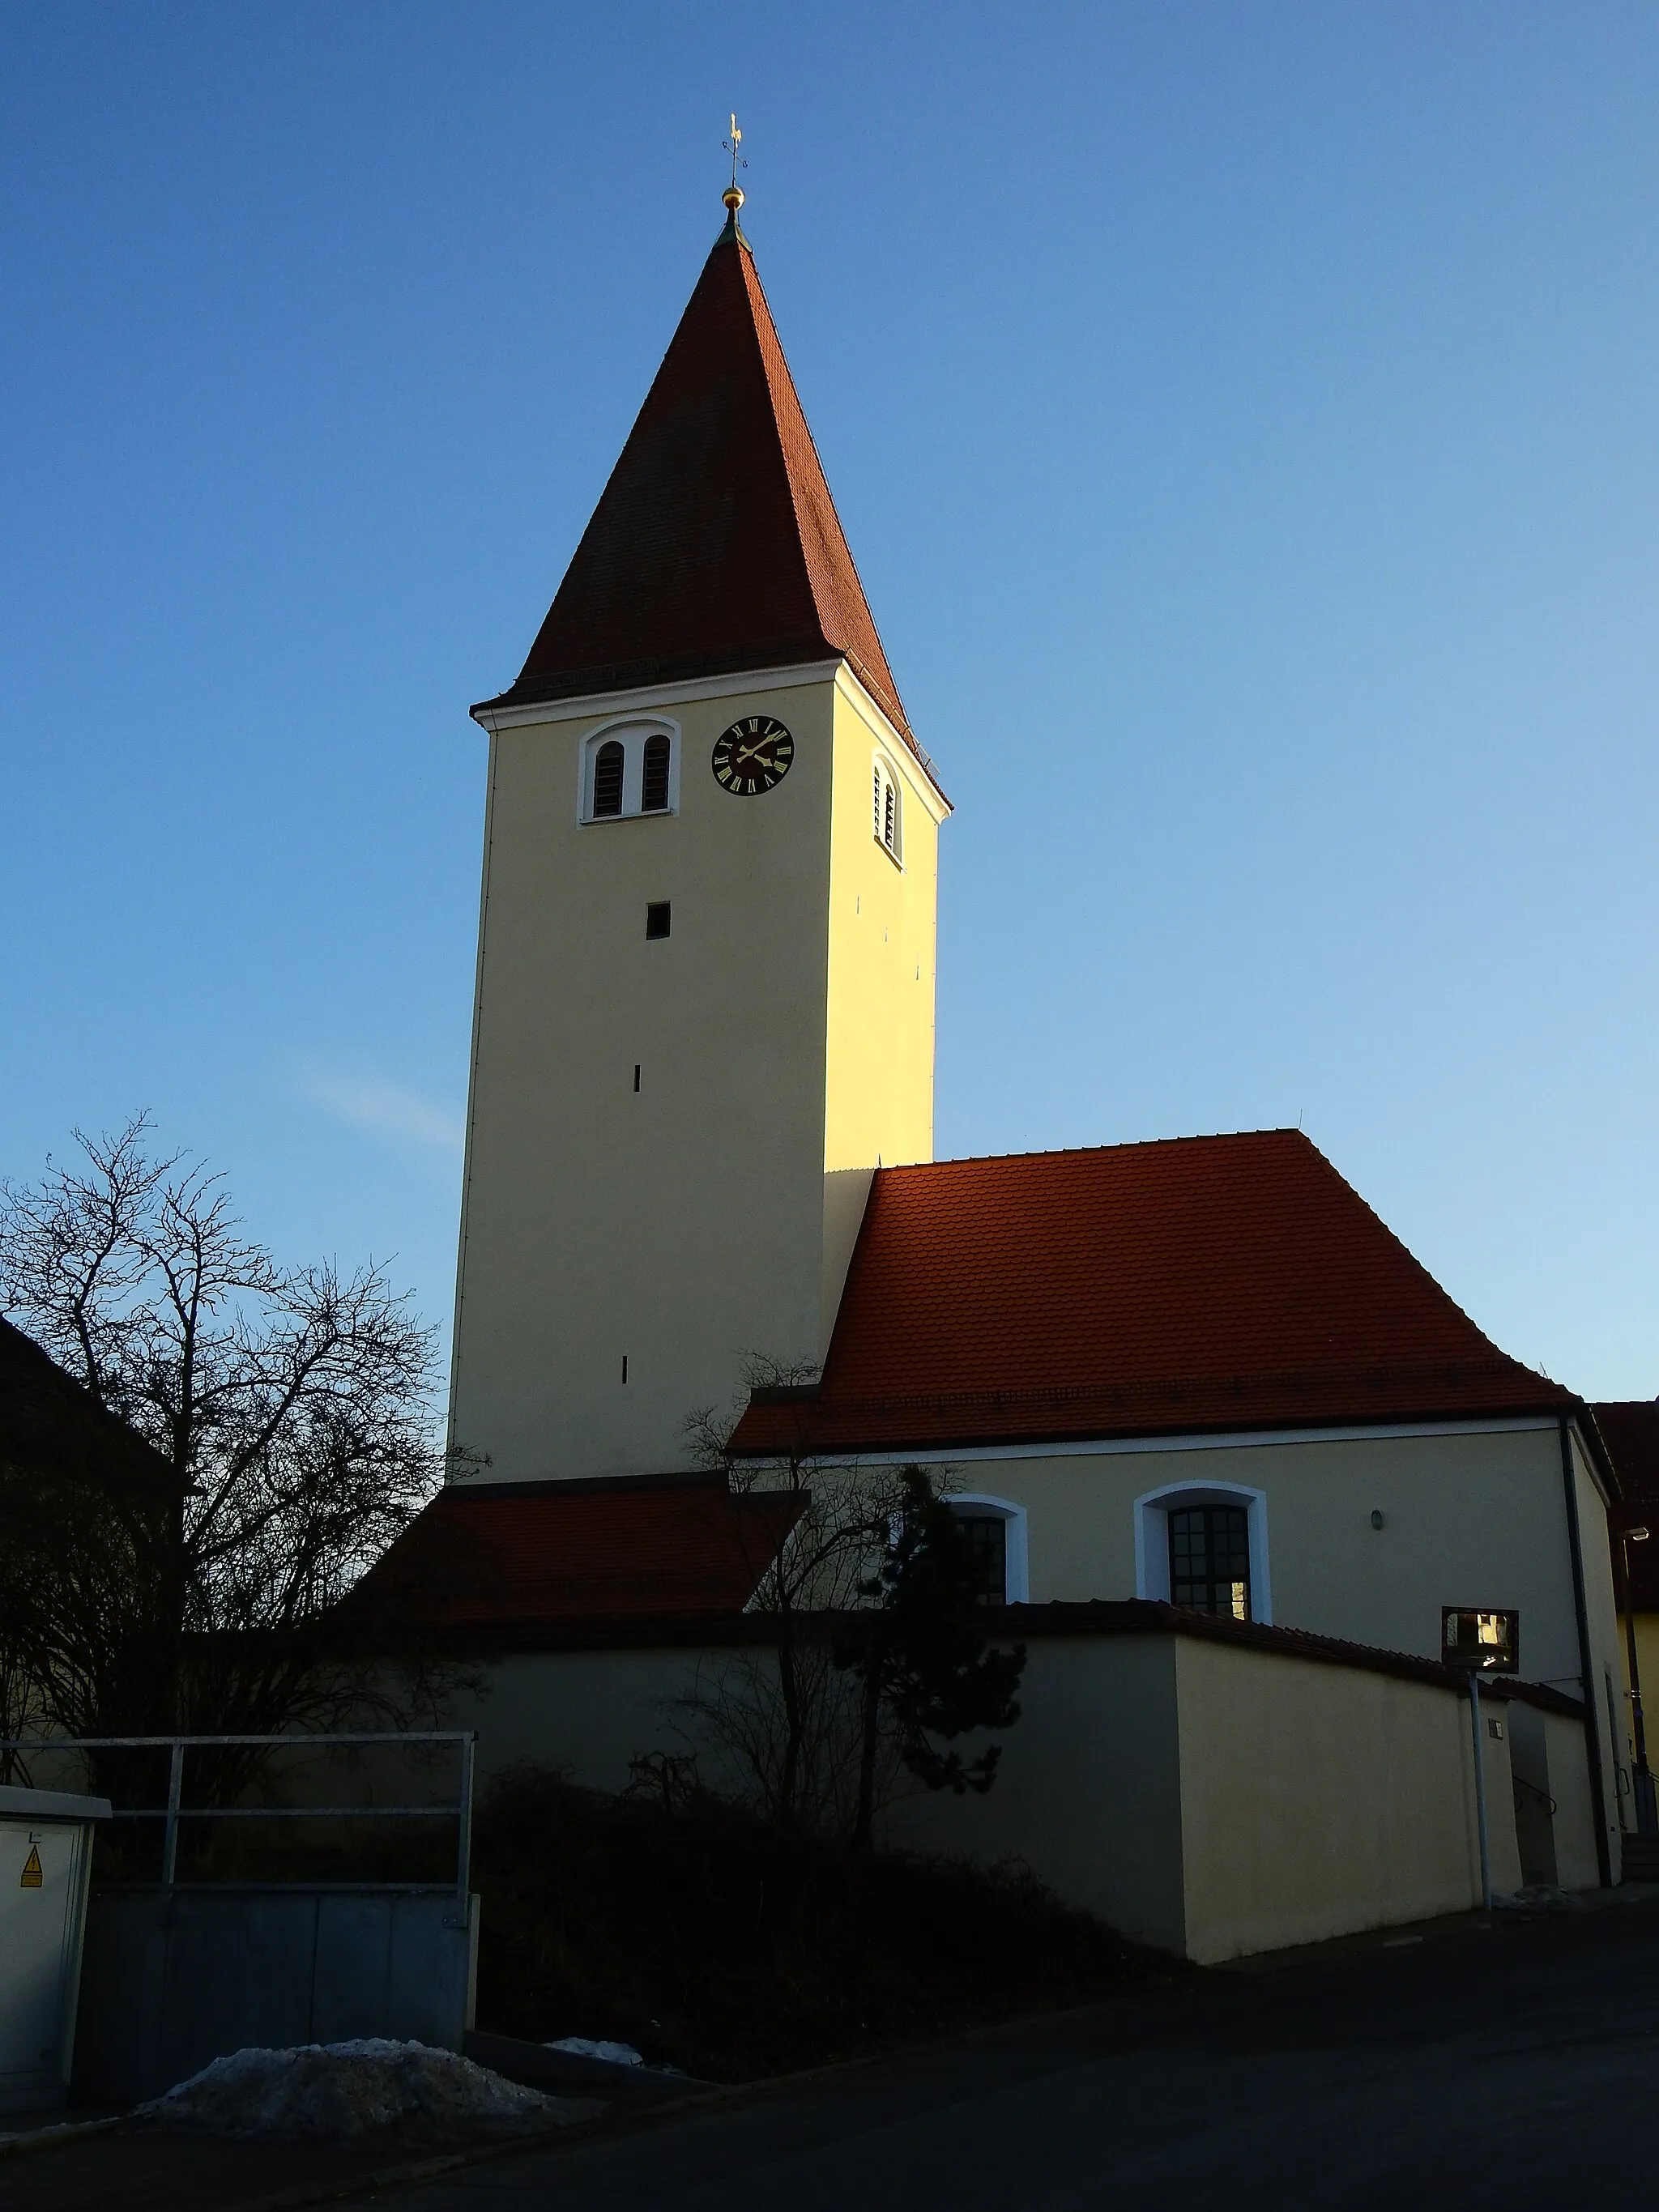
175 1810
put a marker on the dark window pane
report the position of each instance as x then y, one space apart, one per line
657 918
607 779
1210 1558
986 1536
654 799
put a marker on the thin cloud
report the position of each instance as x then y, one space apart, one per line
385 1109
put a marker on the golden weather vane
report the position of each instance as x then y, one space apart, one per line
732 195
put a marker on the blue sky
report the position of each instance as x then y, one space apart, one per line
1243 416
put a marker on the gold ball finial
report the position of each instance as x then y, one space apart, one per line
732 197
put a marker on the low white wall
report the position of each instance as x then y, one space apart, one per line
588 1712
1210 1797
1318 1800
1567 1774
1088 1791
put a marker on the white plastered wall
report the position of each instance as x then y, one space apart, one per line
1210 1798
1470 1517
700 1213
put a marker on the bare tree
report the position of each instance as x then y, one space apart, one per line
292 1406
781 1715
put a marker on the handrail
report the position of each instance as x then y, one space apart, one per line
174 1811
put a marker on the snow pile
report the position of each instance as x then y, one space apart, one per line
352 2089
614 2054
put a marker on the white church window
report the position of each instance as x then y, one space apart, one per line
1210 1559
1205 1545
629 767
995 1530
887 804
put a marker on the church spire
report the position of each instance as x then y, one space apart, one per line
715 547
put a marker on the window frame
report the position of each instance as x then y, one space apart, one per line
611 752
980 1505
631 732
1152 1510
887 802
1223 1551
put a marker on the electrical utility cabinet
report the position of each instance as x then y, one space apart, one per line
45 1867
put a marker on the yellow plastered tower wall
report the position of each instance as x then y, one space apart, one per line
700 1023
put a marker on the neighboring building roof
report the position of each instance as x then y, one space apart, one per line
520 1558
1630 1430
1202 1282
715 546
51 1425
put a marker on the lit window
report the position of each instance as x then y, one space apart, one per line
1210 1559
608 780
654 787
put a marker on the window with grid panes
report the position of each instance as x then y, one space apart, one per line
1210 1558
986 1538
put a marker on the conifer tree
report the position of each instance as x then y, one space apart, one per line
920 1650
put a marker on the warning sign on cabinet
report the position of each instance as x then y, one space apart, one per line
32 1868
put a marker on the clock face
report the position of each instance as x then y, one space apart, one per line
752 755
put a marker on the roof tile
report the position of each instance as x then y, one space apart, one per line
715 546
1203 1283
486 1554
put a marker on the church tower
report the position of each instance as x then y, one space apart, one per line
704 1007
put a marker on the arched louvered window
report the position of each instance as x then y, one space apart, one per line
889 805
653 793
608 780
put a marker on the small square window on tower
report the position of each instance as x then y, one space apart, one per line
656 918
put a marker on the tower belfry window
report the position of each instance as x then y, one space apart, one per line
608 780
889 810
654 797
628 769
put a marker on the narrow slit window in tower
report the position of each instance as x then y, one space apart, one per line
657 918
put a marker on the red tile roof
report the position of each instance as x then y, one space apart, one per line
1630 1430
1204 1283
524 1553
715 546
51 1425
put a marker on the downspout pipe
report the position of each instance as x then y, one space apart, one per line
1586 1664
1480 1792
1644 1809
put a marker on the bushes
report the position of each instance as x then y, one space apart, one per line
717 1942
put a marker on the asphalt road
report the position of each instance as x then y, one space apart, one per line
1513 2067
